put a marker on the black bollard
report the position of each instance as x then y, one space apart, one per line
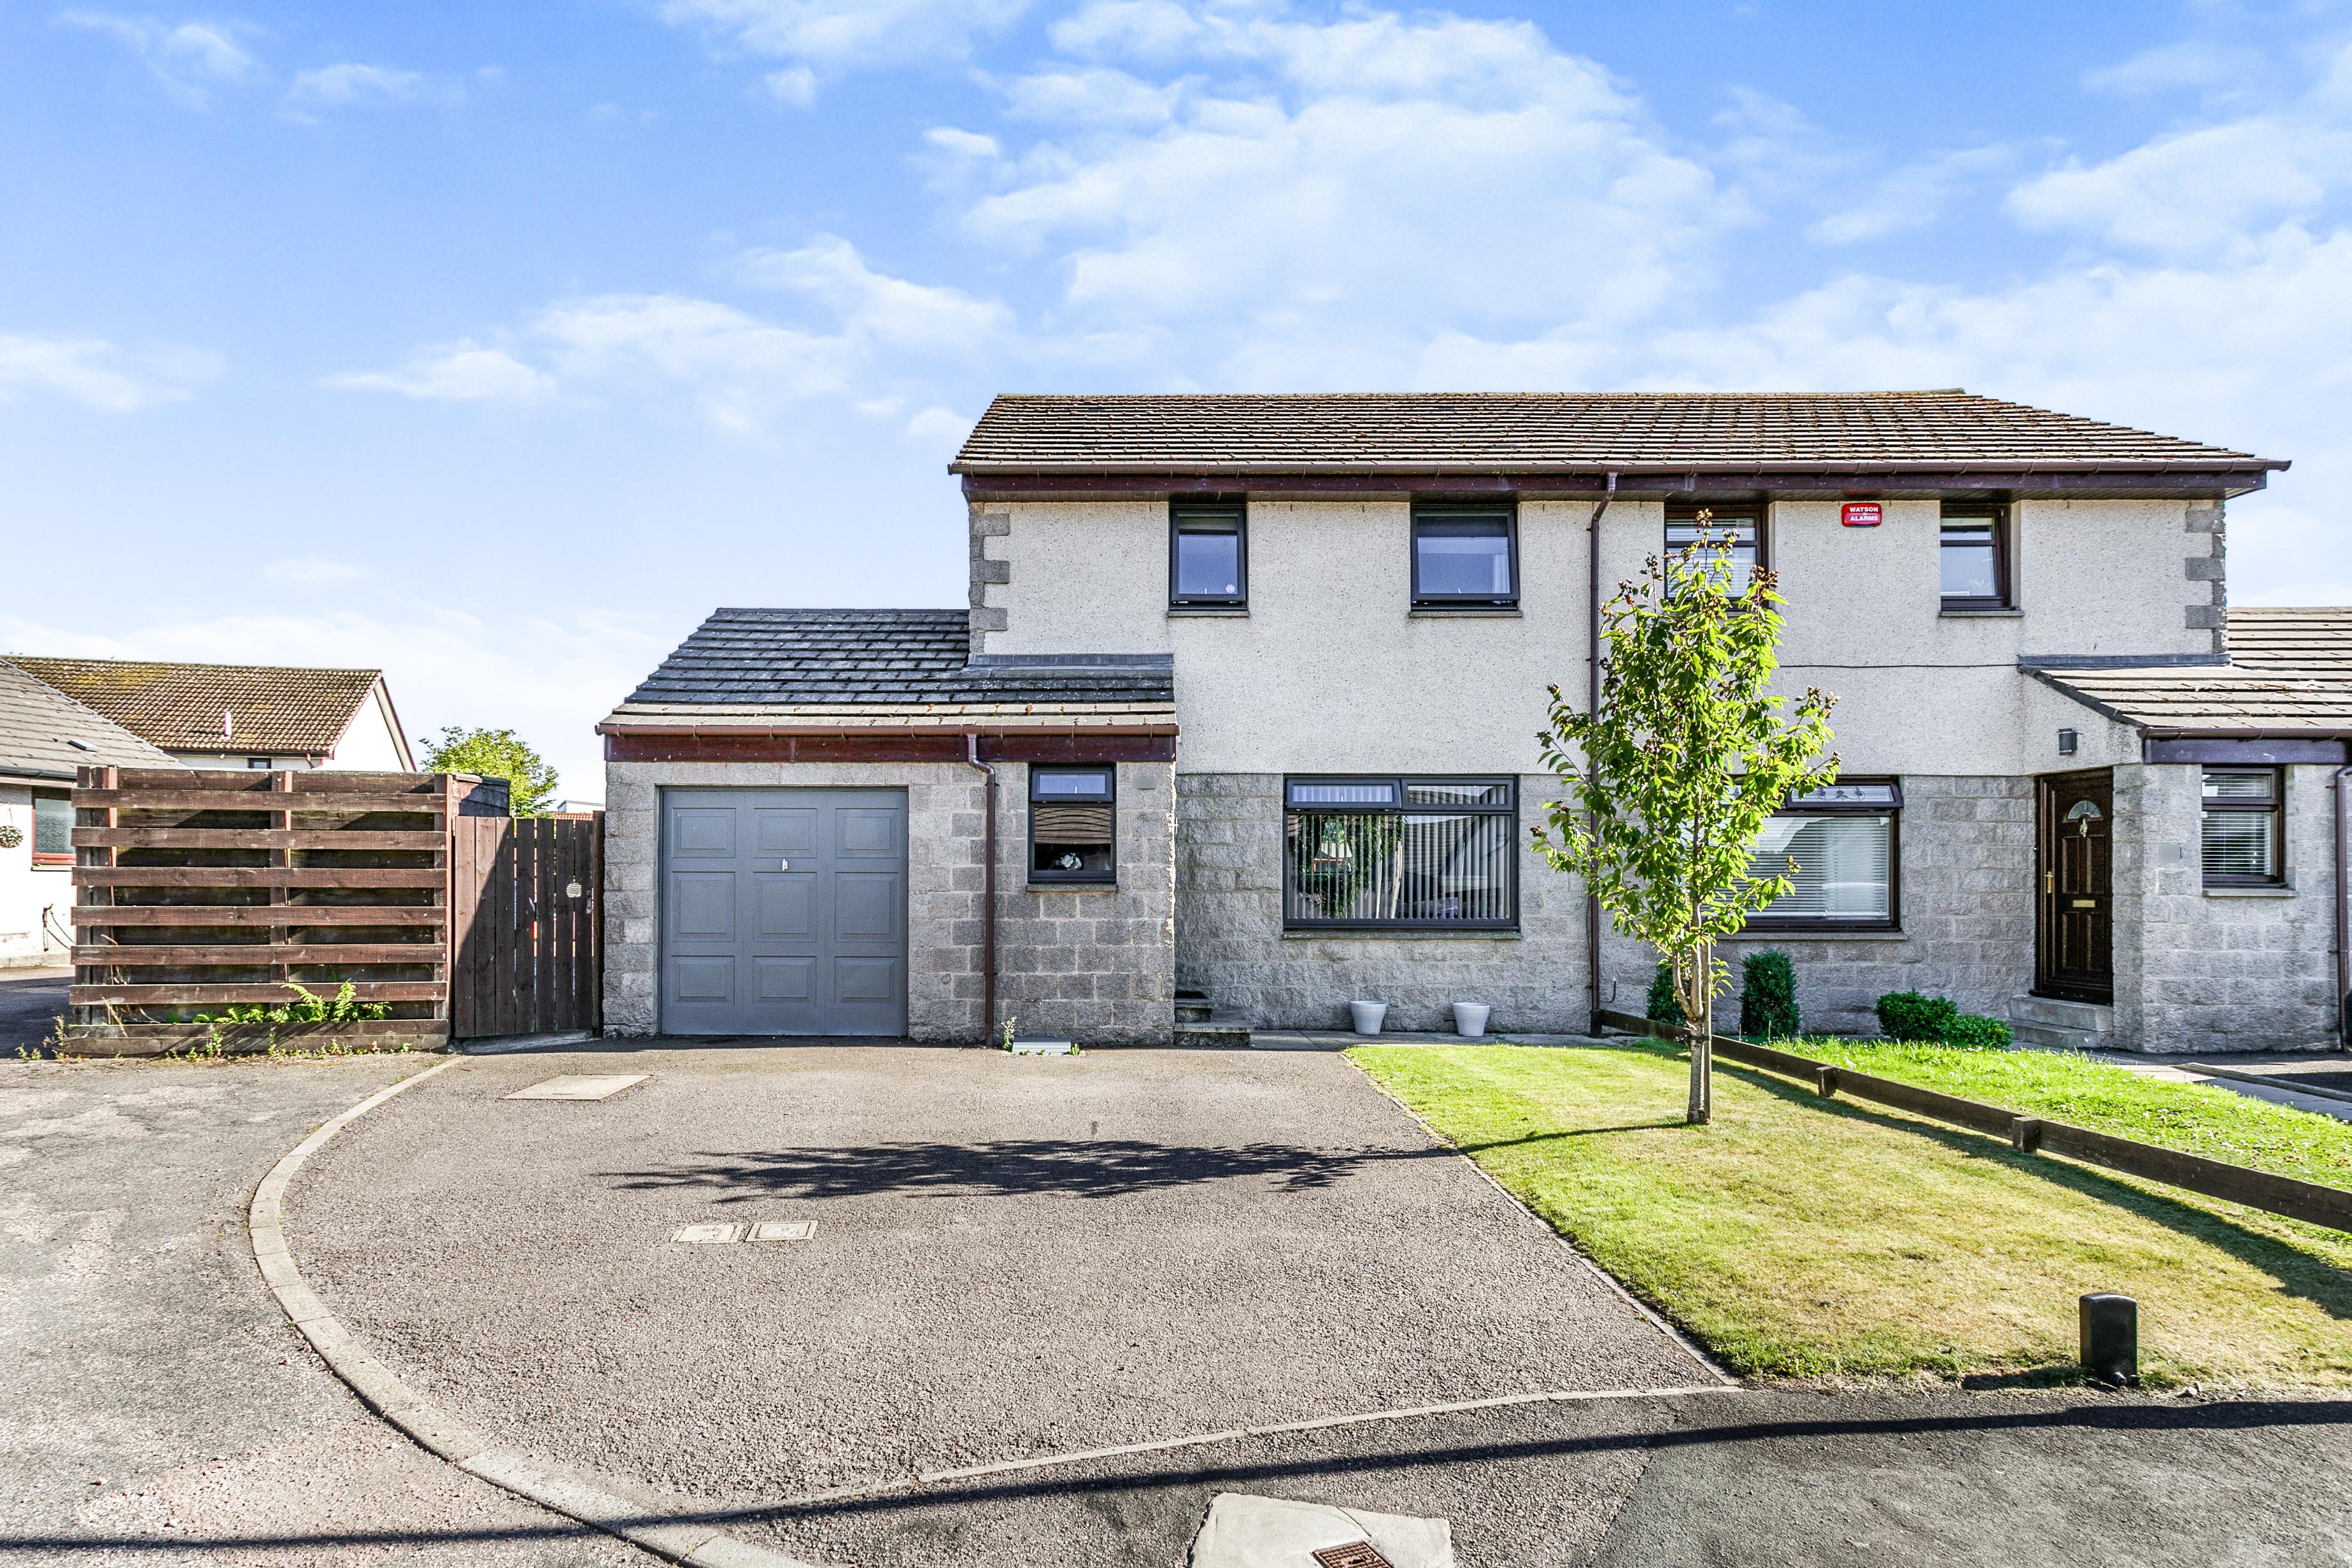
2110 1338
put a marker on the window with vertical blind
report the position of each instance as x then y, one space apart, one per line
2244 827
1733 533
53 824
1845 841
1073 824
1400 854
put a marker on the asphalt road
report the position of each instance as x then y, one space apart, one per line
155 1406
30 1001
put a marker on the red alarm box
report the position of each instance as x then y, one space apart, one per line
1862 515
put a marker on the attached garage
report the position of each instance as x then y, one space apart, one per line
801 807
783 912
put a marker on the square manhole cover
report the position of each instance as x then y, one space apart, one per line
784 1230
581 1086
710 1235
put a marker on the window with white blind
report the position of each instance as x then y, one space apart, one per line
2244 827
1073 824
1845 845
1400 853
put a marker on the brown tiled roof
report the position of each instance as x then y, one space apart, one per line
273 710
2290 672
1534 432
44 734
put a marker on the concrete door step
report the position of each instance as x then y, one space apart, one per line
2049 1037
1214 1033
2092 1017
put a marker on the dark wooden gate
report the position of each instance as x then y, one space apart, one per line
526 930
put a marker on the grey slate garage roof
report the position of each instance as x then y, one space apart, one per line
1533 431
790 657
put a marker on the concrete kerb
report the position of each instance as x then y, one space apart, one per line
697 1545
1689 1347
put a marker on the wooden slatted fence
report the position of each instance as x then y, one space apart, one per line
197 891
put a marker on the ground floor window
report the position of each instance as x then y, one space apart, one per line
1072 823
1845 842
2246 827
53 820
1400 853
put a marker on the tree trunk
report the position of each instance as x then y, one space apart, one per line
1693 971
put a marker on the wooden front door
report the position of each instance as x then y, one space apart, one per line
2074 928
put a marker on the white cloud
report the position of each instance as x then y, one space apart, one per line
310 569
2197 189
889 311
455 372
186 58
353 86
2201 64
1912 197
549 677
98 374
826 37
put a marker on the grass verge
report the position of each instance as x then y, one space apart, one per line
1798 1237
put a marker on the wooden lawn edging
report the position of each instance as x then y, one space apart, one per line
2287 1196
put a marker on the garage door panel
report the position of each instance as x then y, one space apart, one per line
787 829
868 833
787 904
702 833
865 980
702 978
866 906
784 979
702 906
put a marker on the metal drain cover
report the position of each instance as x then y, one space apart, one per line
1247 1531
1354 1554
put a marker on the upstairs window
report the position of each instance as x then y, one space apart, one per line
53 823
1975 551
1846 843
1400 854
1207 554
2244 827
1465 557
1073 824
1734 533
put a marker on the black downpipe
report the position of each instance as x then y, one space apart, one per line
1592 706
987 894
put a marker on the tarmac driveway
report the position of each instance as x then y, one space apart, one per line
1012 1257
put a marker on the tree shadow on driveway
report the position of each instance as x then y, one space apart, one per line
1007 1167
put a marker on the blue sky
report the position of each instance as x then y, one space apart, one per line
494 344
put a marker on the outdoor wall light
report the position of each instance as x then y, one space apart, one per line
2067 741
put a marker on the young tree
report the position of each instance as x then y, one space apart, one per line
1671 781
497 754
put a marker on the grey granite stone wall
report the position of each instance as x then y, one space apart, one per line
1097 964
1966 906
2201 969
1230 942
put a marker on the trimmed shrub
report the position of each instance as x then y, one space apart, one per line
1664 1007
1907 1015
1768 997
1977 1031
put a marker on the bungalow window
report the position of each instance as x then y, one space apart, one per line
1465 557
1400 854
53 823
1207 554
1846 839
1975 555
1734 536
1072 823
2246 827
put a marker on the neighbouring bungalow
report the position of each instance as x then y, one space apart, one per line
240 715
1242 715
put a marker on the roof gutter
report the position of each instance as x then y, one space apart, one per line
957 731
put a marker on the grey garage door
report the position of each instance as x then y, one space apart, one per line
784 911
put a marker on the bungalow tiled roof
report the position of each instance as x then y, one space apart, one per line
2290 674
271 709
747 665
44 734
1536 432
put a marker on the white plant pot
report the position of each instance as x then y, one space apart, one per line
1367 1016
1470 1018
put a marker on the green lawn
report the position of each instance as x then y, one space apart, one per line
1799 1236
